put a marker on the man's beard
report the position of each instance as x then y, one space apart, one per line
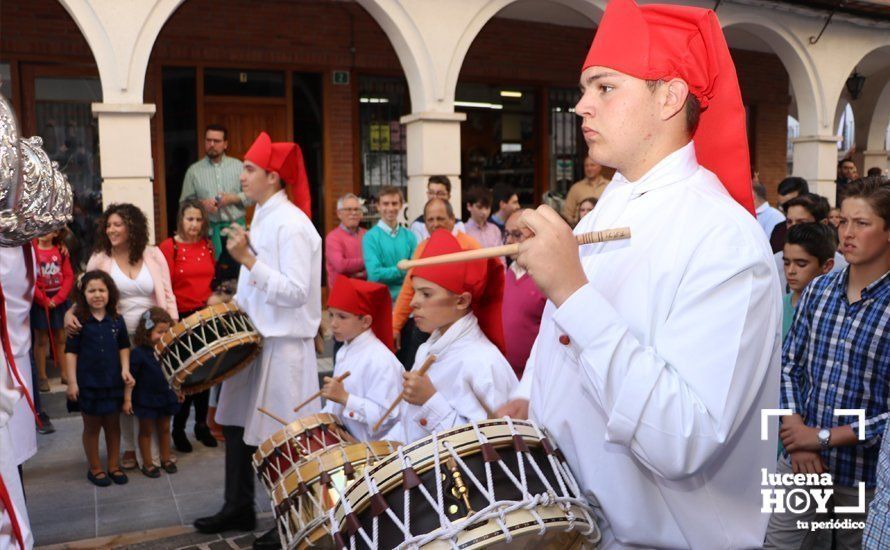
212 153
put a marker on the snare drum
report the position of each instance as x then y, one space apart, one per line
494 483
302 500
207 347
279 454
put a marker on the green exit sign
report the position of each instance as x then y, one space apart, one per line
341 77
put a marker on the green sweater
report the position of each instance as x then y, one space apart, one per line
382 251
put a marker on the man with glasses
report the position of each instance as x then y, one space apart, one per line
215 181
523 302
437 187
343 245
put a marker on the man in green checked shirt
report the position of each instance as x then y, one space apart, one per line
215 181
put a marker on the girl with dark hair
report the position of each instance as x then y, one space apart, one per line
97 361
190 259
142 278
55 279
151 399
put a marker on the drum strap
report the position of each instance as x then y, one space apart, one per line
6 502
10 358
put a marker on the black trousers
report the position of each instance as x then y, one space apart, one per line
239 471
200 401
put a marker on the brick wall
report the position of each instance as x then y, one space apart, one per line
316 36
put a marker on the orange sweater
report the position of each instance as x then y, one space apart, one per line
401 311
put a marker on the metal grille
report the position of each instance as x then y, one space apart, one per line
566 141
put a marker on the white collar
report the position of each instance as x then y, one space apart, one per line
517 270
392 232
674 168
762 208
278 198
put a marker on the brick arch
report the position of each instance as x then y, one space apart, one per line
809 95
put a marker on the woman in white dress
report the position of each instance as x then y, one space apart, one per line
142 278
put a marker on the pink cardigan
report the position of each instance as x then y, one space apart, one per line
157 267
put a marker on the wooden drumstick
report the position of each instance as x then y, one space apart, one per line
425 367
272 416
617 234
317 394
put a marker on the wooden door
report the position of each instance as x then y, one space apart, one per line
244 119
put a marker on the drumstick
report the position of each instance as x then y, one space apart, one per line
592 237
425 367
272 416
317 394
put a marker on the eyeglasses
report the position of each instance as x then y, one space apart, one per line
517 235
351 210
437 194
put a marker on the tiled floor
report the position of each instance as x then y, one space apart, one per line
65 507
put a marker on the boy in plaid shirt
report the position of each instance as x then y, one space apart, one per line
837 356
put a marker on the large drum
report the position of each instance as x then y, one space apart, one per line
305 495
207 347
496 483
278 455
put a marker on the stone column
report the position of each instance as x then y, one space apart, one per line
815 159
433 142
873 158
125 156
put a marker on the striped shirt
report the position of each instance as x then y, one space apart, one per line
877 527
837 356
206 179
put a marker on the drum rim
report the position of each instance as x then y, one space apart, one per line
286 432
309 470
195 319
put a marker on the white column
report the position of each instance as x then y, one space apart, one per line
125 155
873 158
815 160
433 142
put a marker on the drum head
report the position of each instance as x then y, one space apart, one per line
219 365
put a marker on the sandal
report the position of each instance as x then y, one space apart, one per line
43 385
151 471
118 477
129 463
169 467
99 480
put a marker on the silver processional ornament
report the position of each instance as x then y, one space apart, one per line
35 196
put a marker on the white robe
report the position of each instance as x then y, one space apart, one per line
468 369
673 350
282 296
18 437
375 380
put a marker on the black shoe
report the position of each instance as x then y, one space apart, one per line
269 541
202 434
47 426
226 521
99 480
181 442
118 477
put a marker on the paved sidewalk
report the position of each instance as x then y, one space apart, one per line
145 513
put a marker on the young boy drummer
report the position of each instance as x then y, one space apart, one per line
361 318
460 306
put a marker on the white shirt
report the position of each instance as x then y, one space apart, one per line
136 295
375 380
469 369
674 349
768 218
282 296
282 293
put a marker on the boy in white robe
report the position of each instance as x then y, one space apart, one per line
279 287
361 318
460 306
656 355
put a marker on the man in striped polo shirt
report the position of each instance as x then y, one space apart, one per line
215 181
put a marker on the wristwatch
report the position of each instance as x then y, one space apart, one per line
824 436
